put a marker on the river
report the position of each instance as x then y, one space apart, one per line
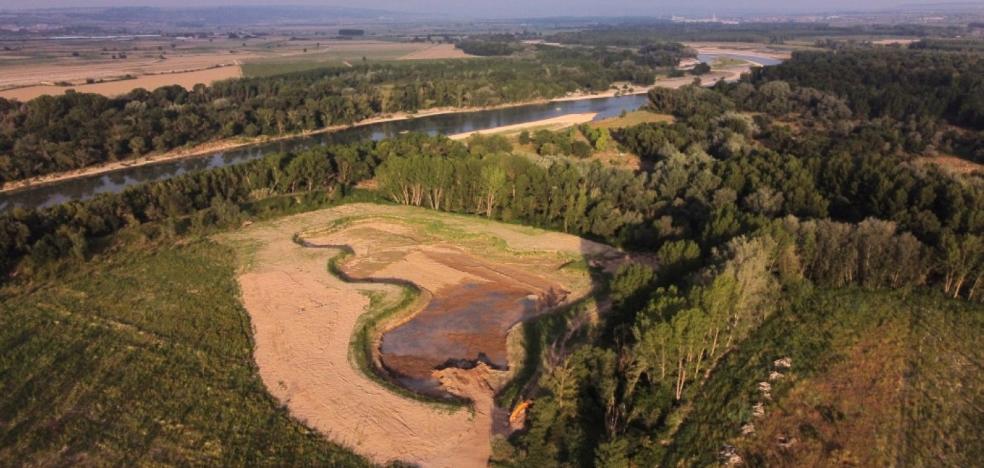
448 124
759 59
83 188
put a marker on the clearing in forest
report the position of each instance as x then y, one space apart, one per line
327 291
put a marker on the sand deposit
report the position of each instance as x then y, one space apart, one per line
303 319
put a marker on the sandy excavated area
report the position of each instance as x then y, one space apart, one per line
554 123
303 319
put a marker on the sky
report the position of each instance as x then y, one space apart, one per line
530 8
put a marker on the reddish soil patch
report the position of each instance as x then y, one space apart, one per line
955 164
849 415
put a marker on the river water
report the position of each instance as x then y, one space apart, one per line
759 59
448 124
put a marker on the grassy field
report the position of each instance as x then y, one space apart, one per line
631 119
346 54
142 359
279 66
877 379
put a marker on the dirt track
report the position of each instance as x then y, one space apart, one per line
303 319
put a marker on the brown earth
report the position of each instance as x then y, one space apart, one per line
849 415
953 164
303 319
436 52
113 88
31 67
52 61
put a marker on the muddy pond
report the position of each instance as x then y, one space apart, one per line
462 325
466 320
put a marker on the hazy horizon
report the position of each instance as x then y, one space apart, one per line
521 8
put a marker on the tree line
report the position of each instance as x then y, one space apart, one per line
33 239
900 84
59 133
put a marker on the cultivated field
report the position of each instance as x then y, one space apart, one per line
116 87
347 53
114 66
31 68
436 52
318 334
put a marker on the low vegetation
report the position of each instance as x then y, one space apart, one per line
865 370
142 356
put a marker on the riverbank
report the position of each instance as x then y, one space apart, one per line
208 148
239 143
554 123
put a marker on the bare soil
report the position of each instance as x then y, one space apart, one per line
897 41
436 52
122 86
303 318
953 164
849 415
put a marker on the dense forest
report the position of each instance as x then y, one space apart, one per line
900 84
783 213
60 133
